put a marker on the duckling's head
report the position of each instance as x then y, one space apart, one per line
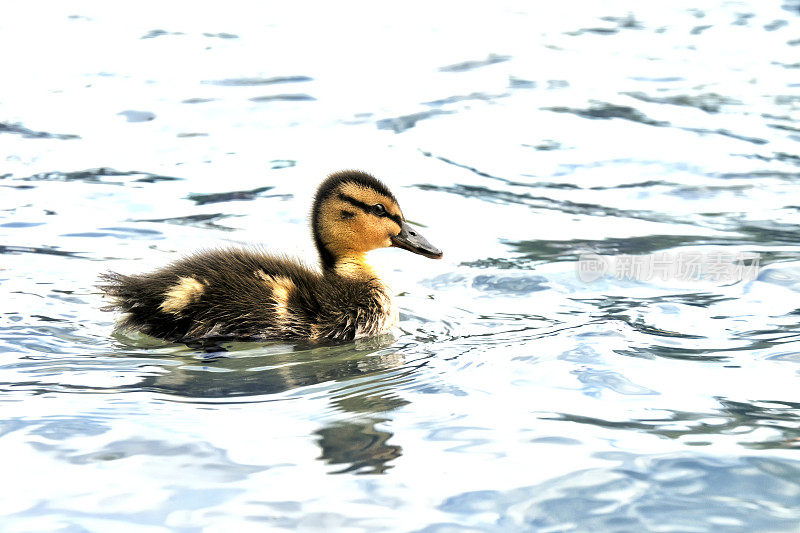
354 213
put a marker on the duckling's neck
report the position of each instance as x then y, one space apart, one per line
354 266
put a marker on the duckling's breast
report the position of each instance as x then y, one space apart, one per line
385 316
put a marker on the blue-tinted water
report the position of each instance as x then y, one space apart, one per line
517 395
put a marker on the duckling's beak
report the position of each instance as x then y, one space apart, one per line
409 239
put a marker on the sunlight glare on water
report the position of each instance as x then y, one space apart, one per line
517 394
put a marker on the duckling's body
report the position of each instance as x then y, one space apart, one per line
242 293
245 293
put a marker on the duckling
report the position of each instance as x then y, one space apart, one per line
249 294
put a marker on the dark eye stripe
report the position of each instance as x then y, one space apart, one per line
368 208
397 219
353 201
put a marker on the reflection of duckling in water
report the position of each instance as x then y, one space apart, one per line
241 293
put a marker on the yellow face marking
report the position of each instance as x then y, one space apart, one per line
349 231
180 295
281 287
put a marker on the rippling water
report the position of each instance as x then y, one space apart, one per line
515 396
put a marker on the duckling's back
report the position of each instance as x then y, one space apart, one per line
239 293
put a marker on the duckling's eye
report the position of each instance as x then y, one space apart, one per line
378 210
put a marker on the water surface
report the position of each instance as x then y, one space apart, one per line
515 395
